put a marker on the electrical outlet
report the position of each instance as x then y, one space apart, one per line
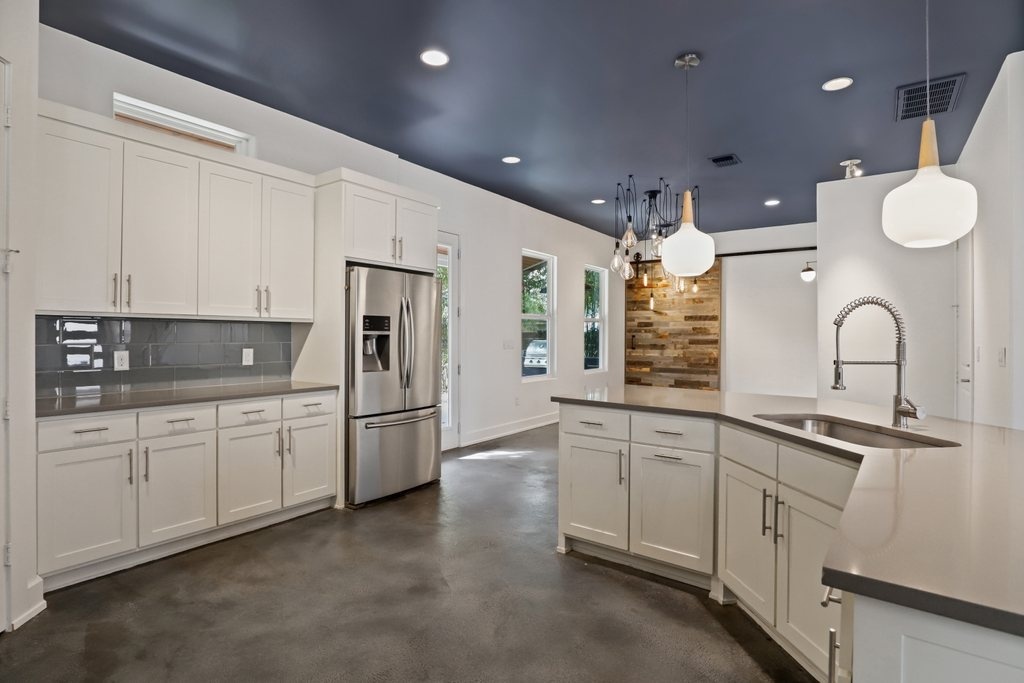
120 360
246 356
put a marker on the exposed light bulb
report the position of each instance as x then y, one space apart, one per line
657 243
694 288
617 260
652 300
628 271
681 285
629 238
646 279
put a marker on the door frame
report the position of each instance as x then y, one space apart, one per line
5 341
451 436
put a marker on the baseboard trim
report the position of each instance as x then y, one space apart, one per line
667 571
26 616
507 429
69 577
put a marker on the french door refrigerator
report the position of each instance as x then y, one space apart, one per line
394 385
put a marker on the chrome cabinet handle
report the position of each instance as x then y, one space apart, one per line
778 534
665 431
113 302
180 419
280 443
90 430
592 424
621 476
312 405
830 598
253 412
267 302
833 647
764 512
131 466
291 442
394 251
145 475
259 298
667 457
401 248
128 296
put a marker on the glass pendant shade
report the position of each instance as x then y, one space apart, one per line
617 260
628 272
688 252
656 244
808 273
932 210
629 238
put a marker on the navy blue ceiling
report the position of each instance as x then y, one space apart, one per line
584 90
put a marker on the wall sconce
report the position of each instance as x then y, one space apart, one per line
853 169
808 274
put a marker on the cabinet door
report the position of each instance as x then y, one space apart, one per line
672 506
248 471
230 241
86 505
177 486
79 231
287 250
369 224
808 527
746 548
161 231
309 459
417 235
593 490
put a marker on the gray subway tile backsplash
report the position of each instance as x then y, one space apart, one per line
74 354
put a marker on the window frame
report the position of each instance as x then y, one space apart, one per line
548 317
601 319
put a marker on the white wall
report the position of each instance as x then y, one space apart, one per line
19 47
855 259
993 159
493 230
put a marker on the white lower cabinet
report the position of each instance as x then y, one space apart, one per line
593 490
308 471
746 541
672 505
86 504
248 471
177 486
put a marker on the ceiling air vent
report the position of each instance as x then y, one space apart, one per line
725 160
910 99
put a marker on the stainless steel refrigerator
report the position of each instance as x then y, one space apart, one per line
394 385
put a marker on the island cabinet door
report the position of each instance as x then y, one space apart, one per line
672 506
177 487
746 541
807 528
593 490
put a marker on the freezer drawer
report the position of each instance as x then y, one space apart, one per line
391 453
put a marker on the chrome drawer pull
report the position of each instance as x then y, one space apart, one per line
667 457
830 598
90 430
592 424
665 431
312 405
180 419
254 412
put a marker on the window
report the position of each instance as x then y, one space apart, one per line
538 314
594 306
184 125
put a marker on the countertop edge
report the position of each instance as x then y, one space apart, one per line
256 391
924 601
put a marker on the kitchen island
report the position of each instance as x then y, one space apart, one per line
923 531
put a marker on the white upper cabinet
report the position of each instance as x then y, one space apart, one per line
369 224
230 241
287 250
79 233
161 231
417 235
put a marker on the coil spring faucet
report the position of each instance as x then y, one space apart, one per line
902 407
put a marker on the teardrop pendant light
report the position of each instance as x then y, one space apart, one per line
932 210
688 252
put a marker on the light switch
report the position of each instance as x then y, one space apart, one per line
120 360
246 356
1002 357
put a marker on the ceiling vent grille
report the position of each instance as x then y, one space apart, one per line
725 160
910 99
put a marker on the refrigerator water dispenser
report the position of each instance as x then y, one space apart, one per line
376 343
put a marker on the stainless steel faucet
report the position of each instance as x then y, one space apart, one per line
902 407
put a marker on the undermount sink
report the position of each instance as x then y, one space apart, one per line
860 433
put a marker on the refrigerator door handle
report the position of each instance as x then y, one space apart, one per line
410 366
402 325
396 423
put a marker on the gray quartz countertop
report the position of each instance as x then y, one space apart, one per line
936 529
150 398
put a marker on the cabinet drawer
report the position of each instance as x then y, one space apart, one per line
673 432
612 424
760 455
94 430
816 475
249 413
187 419
309 405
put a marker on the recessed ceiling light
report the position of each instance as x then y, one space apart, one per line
597 201
434 57
839 83
511 160
772 202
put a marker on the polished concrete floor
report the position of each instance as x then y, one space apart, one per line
457 582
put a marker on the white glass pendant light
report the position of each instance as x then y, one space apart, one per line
617 261
808 273
688 252
932 210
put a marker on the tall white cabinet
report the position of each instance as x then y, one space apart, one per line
287 250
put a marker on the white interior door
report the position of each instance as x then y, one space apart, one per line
965 329
448 273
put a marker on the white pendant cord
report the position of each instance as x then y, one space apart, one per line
927 60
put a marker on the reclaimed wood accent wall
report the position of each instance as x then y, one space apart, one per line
678 344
